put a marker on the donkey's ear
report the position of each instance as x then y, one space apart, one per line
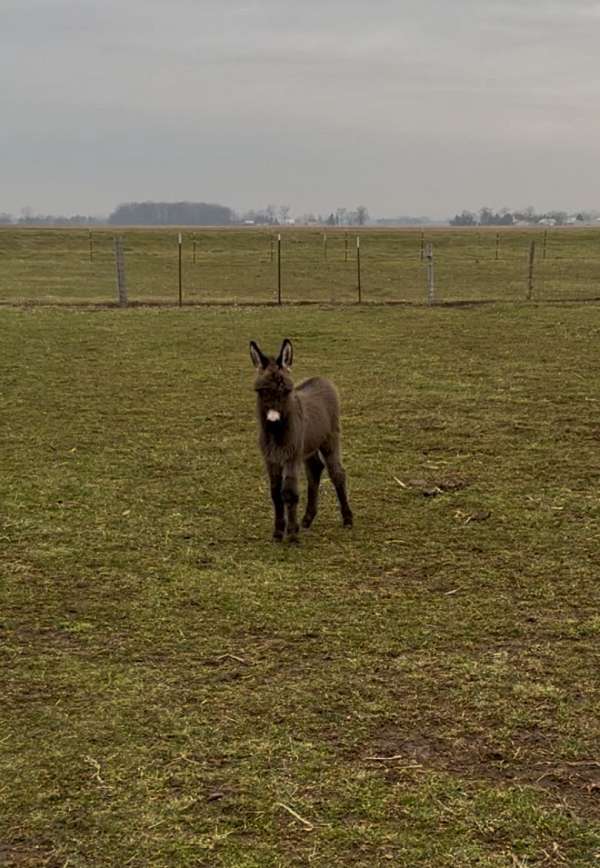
286 354
259 360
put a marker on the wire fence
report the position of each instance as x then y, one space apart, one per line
300 266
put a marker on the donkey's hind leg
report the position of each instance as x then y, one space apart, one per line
314 468
332 457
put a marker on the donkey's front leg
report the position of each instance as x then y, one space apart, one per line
276 479
290 498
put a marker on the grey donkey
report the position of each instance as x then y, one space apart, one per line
298 424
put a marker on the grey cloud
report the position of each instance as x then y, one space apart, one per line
408 106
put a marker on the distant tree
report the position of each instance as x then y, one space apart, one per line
5 218
331 220
505 218
270 214
466 218
561 217
362 215
341 216
527 215
284 213
487 217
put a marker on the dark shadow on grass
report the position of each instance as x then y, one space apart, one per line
189 305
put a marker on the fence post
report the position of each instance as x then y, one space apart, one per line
430 275
358 286
120 263
179 244
345 247
422 248
544 247
530 273
91 246
279 268
324 246
497 244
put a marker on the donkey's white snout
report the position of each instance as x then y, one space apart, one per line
273 416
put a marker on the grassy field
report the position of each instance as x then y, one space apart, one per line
421 690
53 265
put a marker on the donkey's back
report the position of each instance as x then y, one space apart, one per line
321 410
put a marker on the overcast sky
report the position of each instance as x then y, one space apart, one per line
406 106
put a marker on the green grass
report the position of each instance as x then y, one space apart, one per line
421 690
236 265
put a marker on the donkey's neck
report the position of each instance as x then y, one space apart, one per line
282 435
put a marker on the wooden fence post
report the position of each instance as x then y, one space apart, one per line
120 263
324 246
530 271
544 246
430 275
422 247
345 247
497 244
91 246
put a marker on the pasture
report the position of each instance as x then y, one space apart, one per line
178 690
317 265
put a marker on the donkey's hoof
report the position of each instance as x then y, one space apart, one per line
277 536
293 539
348 521
307 521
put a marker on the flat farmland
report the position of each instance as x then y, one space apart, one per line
179 690
240 265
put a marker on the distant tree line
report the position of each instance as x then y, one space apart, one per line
403 221
504 217
340 217
171 214
211 214
272 216
30 219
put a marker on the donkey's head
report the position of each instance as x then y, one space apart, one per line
273 383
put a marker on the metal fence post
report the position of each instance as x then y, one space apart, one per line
279 268
530 271
430 275
179 245
121 282
358 281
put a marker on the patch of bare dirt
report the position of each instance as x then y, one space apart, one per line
576 782
22 855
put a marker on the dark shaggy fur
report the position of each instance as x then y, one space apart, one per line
298 424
